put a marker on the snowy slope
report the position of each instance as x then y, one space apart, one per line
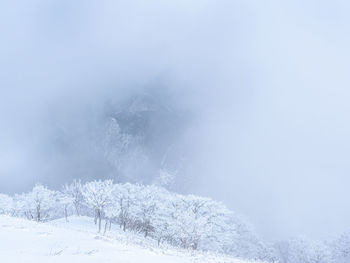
77 241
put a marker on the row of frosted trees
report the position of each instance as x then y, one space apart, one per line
303 250
186 221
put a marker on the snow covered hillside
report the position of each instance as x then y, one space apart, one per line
77 241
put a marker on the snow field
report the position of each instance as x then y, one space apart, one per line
77 241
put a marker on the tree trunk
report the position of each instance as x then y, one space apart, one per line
76 209
38 213
65 213
106 224
95 217
99 221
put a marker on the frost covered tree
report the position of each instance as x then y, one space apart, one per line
198 220
164 221
6 204
299 250
66 201
73 192
245 243
21 206
163 225
98 195
38 203
340 248
145 210
140 208
302 250
121 210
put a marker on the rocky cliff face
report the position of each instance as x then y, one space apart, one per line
140 139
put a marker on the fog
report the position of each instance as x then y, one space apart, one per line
265 85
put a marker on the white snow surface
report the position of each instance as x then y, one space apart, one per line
78 241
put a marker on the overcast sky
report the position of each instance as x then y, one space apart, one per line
267 81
